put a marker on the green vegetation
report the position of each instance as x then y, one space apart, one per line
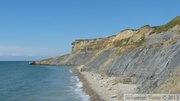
78 41
142 40
171 24
121 42
127 80
81 40
124 42
146 26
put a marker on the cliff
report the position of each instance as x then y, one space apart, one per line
148 57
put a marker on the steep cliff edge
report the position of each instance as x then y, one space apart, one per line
148 57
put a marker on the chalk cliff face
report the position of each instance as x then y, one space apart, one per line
148 57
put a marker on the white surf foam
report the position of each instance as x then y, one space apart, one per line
70 71
77 89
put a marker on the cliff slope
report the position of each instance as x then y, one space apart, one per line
148 57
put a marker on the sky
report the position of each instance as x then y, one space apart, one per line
38 29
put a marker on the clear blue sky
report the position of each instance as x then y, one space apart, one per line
36 29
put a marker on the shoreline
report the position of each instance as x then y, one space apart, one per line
86 87
103 88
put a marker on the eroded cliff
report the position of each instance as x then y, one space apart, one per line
148 56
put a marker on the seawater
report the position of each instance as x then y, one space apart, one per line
22 82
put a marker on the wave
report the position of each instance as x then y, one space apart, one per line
70 71
77 88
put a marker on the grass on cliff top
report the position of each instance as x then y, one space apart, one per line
171 24
124 42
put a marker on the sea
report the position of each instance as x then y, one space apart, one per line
22 82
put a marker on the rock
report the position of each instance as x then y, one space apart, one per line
145 57
113 96
32 63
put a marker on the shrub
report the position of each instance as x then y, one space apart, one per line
142 40
121 42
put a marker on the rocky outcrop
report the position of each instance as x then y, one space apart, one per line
32 62
148 56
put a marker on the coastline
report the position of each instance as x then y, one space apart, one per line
86 87
103 88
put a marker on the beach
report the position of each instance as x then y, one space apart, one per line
104 88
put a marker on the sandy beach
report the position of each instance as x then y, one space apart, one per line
104 88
